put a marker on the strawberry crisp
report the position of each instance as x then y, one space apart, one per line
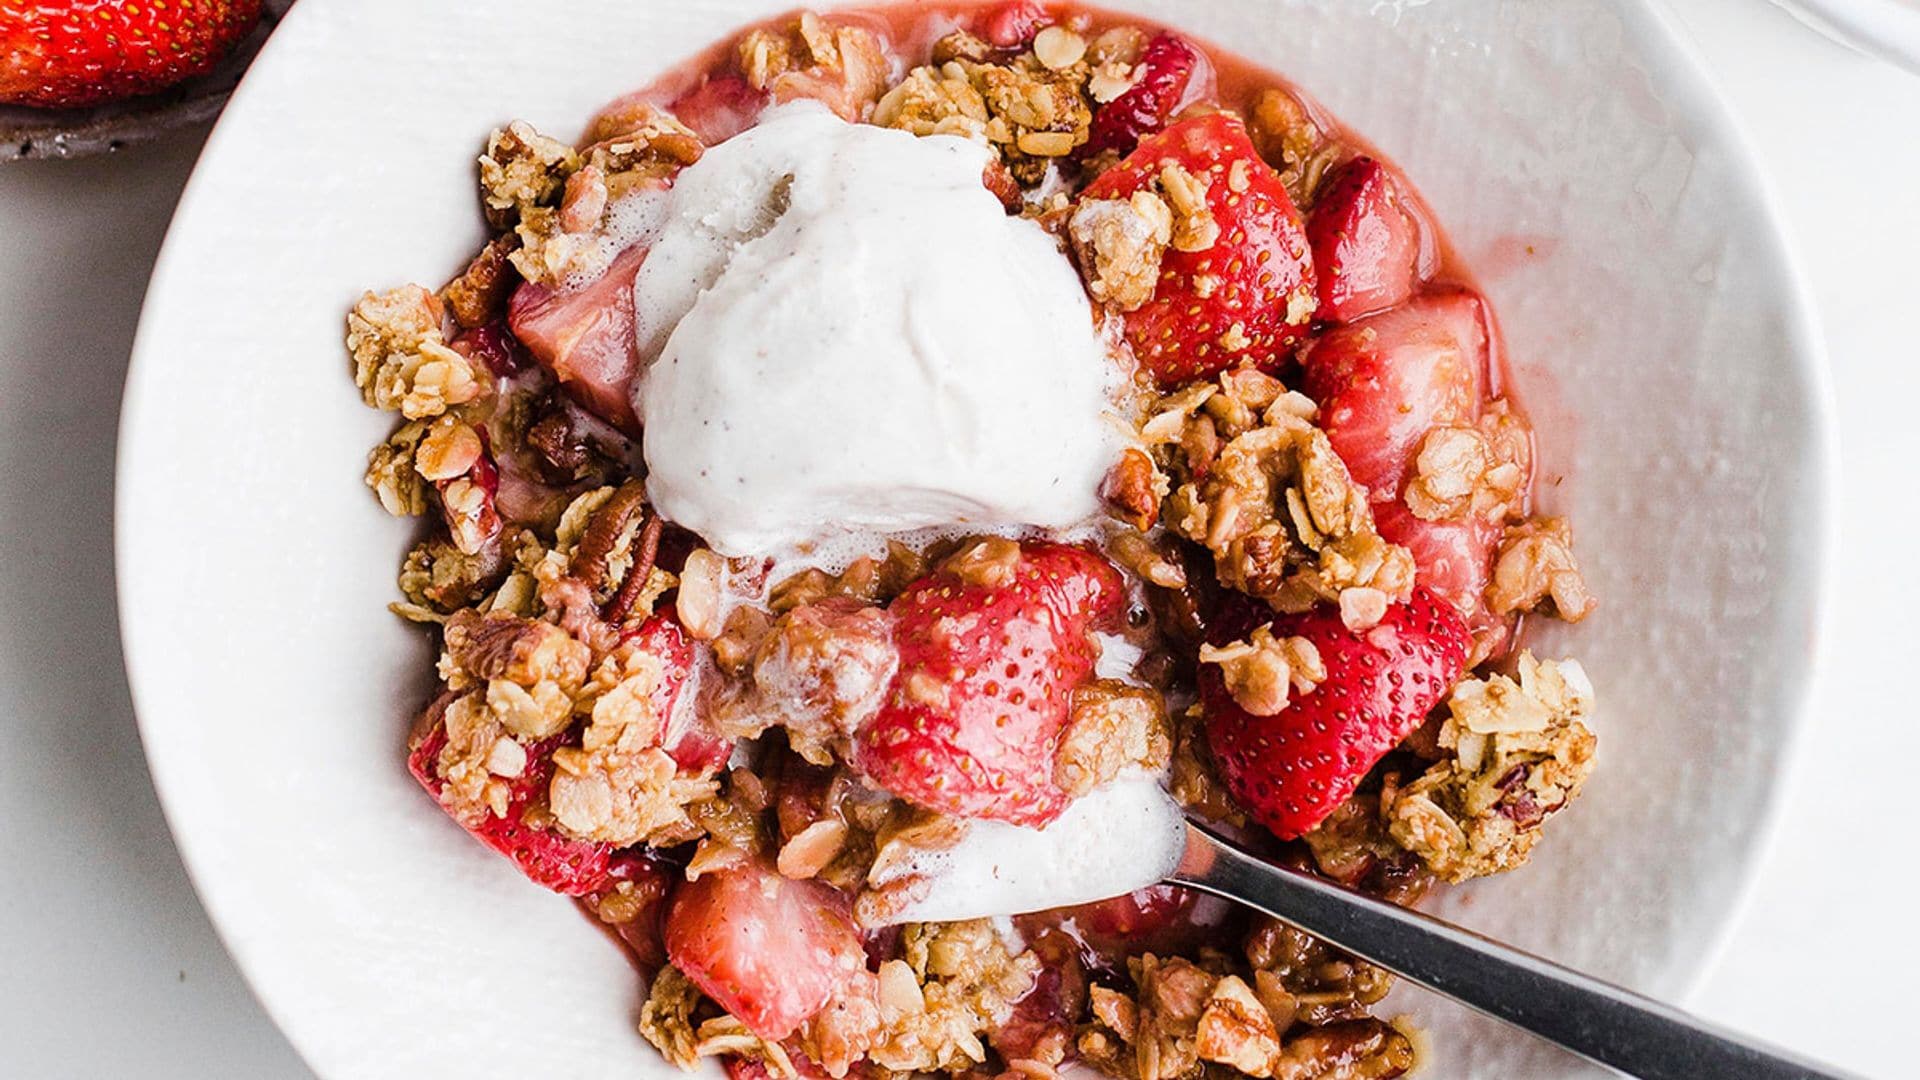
904 431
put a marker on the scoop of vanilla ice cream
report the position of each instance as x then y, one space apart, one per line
1113 840
846 333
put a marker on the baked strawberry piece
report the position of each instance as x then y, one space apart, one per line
991 646
73 53
721 107
1291 769
1364 242
551 858
1236 285
585 337
1383 383
633 903
1166 69
1013 24
771 950
565 865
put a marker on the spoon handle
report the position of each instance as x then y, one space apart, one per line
1596 1020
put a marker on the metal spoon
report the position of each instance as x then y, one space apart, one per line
1601 1022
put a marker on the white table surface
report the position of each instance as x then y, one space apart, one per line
108 967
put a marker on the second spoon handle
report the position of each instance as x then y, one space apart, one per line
1596 1020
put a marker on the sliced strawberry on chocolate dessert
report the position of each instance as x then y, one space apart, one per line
1289 770
1364 241
771 950
1235 282
991 647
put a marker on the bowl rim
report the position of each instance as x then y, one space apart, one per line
1812 367
1686 72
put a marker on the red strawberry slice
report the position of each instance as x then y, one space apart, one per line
1385 381
472 512
1248 296
720 108
1166 69
493 346
1138 914
768 949
1364 243
687 739
72 53
1290 770
585 337
972 721
560 863
1452 558
1014 23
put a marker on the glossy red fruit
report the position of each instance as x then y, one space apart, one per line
565 865
720 107
1043 1020
1364 242
472 513
1290 770
585 337
1138 914
1014 23
1166 69
1453 558
1385 381
686 737
1246 298
972 721
644 882
770 950
73 53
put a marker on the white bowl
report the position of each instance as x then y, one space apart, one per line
1657 328
1888 29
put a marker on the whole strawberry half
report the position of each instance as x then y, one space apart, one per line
972 721
73 53
770 950
1290 770
1247 296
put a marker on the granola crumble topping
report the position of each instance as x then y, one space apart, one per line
401 361
1535 570
1260 671
1520 753
1261 488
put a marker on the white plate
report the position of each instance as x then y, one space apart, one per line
1583 166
